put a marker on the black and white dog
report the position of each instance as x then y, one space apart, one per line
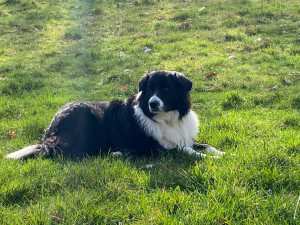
159 117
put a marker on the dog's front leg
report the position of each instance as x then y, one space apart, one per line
208 148
192 152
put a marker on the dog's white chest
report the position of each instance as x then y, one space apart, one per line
168 129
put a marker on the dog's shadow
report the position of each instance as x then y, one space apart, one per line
173 169
170 169
165 169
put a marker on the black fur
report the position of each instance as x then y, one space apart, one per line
84 128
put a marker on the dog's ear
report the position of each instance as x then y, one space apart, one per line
183 81
143 82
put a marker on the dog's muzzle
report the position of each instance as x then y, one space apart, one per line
155 104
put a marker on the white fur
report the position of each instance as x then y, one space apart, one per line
157 99
191 151
168 129
214 151
21 153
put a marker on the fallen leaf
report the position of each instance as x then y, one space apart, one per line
247 28
184 25
210 74
267 41
3 78
162 17
123 87
144 35
11 134
221 221
56 218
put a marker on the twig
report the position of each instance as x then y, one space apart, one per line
296 208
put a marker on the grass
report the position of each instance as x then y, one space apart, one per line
53 52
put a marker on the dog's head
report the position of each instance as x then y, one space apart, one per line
164 91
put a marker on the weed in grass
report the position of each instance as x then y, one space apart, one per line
292 122
181 16
296 103
232 101
18 86
73 33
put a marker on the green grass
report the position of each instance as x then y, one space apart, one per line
53 52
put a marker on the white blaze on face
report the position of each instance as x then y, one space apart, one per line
155 104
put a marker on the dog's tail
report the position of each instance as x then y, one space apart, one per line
41 150
27 152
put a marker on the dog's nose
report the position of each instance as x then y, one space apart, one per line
154 104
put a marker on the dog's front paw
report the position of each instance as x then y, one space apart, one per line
209 149
214 151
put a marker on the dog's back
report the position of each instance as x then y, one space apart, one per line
84 128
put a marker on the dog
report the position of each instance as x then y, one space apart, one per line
159 117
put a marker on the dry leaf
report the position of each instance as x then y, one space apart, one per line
210 74
11 134
162 17
123 87
184 25
267 41
56 218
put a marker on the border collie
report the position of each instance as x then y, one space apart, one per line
158 117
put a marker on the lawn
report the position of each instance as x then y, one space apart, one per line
54 52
